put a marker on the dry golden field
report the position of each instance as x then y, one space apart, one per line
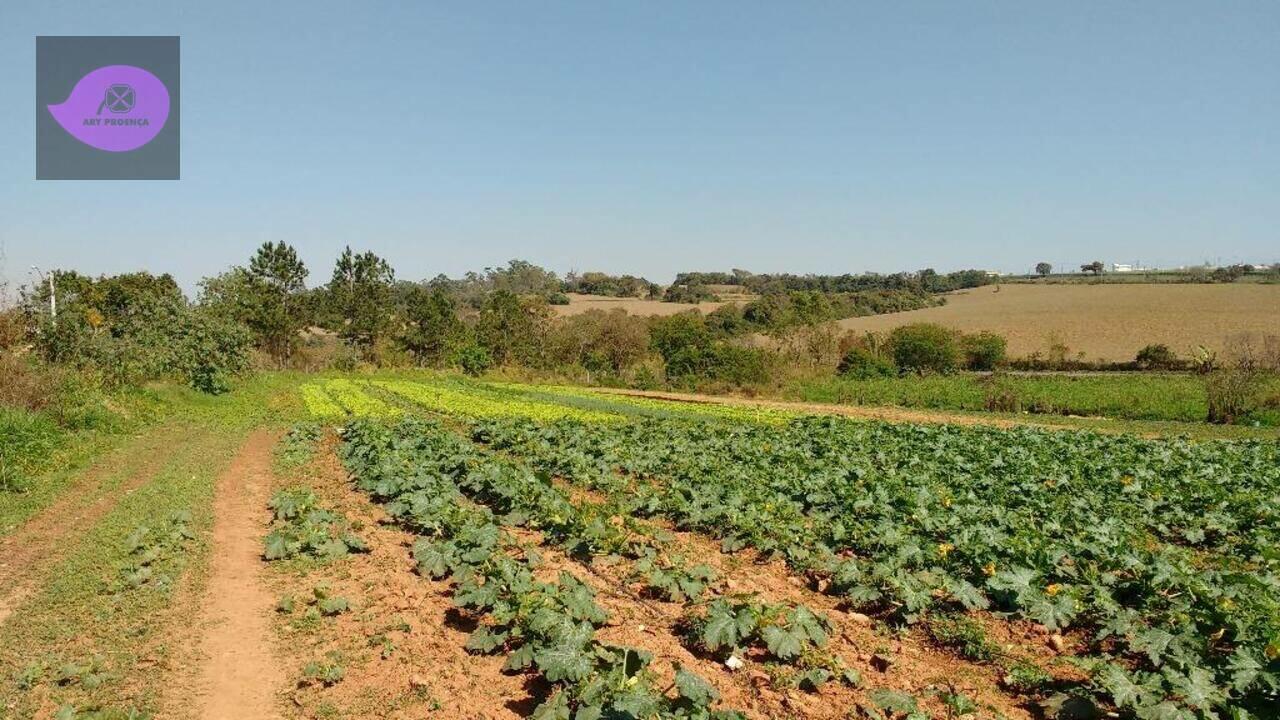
636 306
1104 321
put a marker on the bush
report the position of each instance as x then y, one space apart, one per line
692 294
474 359
600 341
728 363
558 298
983 351
739 365
999 395
924 348
860 363
13 327
1156 356
1233 393
678 335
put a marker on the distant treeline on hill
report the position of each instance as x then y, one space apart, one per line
598 283
927 280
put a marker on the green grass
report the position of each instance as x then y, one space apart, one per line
94 635
87 614
1128 396
40 459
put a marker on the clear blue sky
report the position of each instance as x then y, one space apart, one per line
650 137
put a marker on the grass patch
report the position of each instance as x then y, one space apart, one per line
963 635
1124 396
98 609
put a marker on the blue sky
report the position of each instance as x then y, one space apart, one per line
650 137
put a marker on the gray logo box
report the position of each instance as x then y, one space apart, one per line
61 61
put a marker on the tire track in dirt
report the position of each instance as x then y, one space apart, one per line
46 537
237 674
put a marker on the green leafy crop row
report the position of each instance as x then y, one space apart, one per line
545 628
1164 552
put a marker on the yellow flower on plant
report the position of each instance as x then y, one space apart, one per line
1053 589
989 569
944 548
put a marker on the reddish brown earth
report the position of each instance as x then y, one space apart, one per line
403 644
238 675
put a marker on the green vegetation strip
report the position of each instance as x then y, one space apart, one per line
547 629
80 644
1125 396
1162 552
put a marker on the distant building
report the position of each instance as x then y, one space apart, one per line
1129 268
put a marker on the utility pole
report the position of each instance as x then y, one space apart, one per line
53 293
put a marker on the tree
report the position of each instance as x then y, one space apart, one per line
511 330
1094 267
137 326
432 333
360 294
599 341
1043 269
268 298
279 278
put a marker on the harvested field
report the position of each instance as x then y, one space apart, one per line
579 304
1105 321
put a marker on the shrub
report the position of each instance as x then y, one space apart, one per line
924 348
692 294
999 394
860 363
739 365
1233 393
983 351
13 327
678 335
645 378
965 636
1156 356
728 363
600 341
558 298
474 360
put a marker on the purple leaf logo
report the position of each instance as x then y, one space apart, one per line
116 108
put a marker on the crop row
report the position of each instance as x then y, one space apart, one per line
1163 553
547 628
445 397
545 403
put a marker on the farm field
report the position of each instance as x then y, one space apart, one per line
1128 580
418 545
1176 397
639 306
1102 321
